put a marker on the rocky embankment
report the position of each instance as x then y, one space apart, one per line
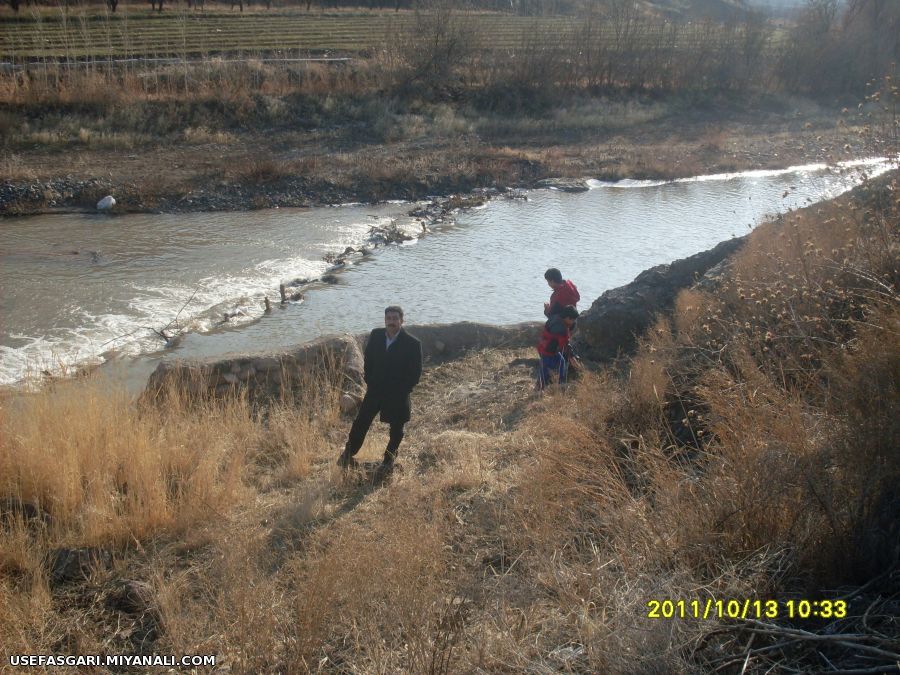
614 321
67 194
608 329
275 374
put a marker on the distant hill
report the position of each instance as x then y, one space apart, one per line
725 8
722 9
777 7
715 9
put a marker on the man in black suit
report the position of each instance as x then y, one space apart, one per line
393 366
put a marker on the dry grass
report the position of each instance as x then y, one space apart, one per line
105 474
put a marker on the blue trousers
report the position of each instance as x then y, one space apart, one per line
550 364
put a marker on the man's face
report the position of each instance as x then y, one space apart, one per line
392 323
552 284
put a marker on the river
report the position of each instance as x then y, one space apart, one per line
81 289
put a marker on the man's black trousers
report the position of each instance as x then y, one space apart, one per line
368 409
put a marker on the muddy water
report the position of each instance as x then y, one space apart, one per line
78 289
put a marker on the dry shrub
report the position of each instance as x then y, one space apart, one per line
591 476
12 167
689 308
754 487
260 171
649 383
292 442
857 475
202 135
28 619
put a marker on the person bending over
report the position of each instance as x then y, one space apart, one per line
552 345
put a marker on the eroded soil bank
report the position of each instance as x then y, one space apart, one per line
352 161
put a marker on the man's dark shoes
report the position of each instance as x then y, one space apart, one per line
346 461
382 473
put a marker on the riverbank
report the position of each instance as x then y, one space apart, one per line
335 271
746 450
436 150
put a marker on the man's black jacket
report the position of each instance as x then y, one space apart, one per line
391 374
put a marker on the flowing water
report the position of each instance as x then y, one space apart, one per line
85 288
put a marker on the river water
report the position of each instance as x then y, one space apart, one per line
80 289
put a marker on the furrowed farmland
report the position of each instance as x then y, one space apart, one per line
140 34
47 35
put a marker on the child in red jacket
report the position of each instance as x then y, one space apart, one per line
564 293
554 340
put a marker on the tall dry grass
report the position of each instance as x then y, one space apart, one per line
84 465
105 473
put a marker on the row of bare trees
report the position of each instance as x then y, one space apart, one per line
615 45
831 50
621 48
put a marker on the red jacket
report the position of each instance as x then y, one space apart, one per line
554 338
565 294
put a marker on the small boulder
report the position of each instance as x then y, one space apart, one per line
106 203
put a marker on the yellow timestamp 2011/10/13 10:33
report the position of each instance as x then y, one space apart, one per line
747 608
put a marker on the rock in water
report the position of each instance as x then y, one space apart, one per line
564 184
106 203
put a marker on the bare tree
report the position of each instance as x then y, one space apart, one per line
441 40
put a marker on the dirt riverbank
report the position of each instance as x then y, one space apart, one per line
253 169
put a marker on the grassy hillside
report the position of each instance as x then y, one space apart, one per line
749 450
